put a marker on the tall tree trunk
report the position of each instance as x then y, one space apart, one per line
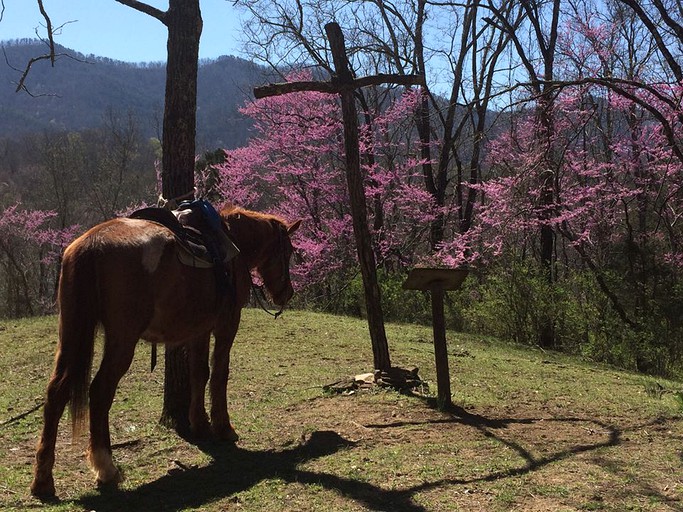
547 177
184 22
546 39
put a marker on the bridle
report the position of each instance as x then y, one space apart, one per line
284 278
259 295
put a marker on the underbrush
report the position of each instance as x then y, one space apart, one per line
516 303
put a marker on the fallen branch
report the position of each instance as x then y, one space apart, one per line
22 415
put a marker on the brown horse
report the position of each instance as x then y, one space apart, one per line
125 275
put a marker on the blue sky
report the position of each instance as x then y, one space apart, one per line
108 29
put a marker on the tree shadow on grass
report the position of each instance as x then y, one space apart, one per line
234 470
487 427
613 436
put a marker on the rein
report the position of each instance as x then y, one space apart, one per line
259 295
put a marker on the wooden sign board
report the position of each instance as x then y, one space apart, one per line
424 278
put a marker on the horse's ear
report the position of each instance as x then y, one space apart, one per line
293 227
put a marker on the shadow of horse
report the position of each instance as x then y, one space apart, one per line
234 470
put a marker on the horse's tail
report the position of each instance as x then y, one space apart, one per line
78 319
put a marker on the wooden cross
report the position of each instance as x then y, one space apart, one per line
343 83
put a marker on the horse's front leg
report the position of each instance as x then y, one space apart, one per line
220 419
198 352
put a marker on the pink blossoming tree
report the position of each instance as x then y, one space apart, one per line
29 256
293 165
616 181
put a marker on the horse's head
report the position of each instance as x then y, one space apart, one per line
274 269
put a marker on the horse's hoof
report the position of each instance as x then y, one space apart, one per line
201 431
227 434
43 489
102 465
110 481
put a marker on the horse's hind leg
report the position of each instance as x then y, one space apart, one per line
118 355
69 380
57 396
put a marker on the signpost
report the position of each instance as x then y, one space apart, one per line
437 281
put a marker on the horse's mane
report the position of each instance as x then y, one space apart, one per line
230 210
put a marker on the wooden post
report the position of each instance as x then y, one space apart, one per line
344 84
359 214
443 378
436 281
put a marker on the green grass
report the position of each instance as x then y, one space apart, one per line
539 430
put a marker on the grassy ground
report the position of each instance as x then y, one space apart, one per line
537 431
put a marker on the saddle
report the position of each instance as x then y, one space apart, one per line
198 229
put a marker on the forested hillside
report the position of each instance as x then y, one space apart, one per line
80 146
552 169
75 94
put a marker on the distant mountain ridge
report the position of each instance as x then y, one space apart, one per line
78 90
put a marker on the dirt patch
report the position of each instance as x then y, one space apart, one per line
484 458
380 450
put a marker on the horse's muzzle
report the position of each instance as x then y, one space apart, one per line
283 297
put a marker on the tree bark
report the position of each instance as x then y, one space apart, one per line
184 23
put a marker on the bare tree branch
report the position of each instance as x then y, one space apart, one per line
50 39
664 13
52 55
657 36
332 87
145 8
21 83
